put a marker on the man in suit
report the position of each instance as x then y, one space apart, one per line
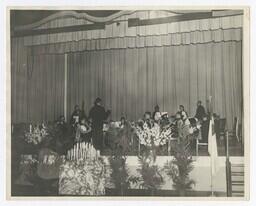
200 111
203 118
97 115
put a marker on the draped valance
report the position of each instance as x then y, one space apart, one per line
197 37
119 29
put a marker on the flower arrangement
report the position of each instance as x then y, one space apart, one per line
83 172
82 177
36 134
50 159
155 135
27 170
28 159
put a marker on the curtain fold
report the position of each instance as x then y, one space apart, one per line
19 75
46 88
174 39
37 87
132 81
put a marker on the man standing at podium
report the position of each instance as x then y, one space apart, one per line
97 115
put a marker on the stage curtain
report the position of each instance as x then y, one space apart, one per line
18 80
45 88
37 85
132 81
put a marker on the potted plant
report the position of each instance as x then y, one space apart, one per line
179 168
119 171
150 176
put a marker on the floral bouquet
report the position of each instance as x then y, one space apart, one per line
36 135
27 170
154 136
82 177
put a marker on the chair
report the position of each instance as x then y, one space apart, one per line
222 127
204 135
235 131
169 144
198 143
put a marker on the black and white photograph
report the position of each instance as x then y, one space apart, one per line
128 103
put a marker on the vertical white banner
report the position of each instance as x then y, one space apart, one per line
65 85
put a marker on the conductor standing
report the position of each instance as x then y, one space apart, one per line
97 115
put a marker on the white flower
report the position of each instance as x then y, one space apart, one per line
71 173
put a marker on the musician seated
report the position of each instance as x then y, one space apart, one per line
193 122
182 111
195 126
83 131
61 123
164 119
178 121
122 122
76 116
185 119
106 127
61 120
157 114
64 130
147 119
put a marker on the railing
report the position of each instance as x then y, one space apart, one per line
228 168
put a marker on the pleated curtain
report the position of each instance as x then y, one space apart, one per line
46 88
42 95
132 81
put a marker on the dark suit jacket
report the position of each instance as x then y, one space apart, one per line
98 115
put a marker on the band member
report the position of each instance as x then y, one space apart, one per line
61 120
147 119
76 116
182 111
97 115
200 111
122 122
64 129
62 125
83 131
156 114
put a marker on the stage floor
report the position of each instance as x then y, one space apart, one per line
201 174
235 149
201 165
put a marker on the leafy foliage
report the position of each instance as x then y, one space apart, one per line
120 146
120 174
179 168
151 177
